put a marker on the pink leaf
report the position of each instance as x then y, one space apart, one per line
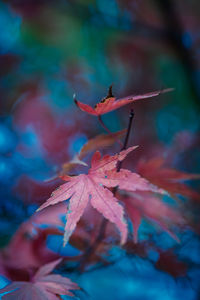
104 201
167 178
107 162
41 287
126 180
46 269
91 188
136 219
64 192
152 208
78 203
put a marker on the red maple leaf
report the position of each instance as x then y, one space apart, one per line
144 204
110 103
168 178
42 286
90 188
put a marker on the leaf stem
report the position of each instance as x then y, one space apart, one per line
91 249
131 116
103 125
107 129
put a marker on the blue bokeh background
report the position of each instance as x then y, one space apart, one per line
50 50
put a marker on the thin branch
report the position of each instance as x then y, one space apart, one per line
131 116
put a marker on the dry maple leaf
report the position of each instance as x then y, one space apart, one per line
42 286
100 141
90 188
110 103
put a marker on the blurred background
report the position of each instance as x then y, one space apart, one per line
50 50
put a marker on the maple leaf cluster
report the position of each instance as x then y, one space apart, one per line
107 192
96 187
91 188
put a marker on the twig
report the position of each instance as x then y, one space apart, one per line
131 116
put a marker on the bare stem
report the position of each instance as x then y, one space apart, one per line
131 116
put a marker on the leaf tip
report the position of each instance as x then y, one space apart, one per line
167 90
